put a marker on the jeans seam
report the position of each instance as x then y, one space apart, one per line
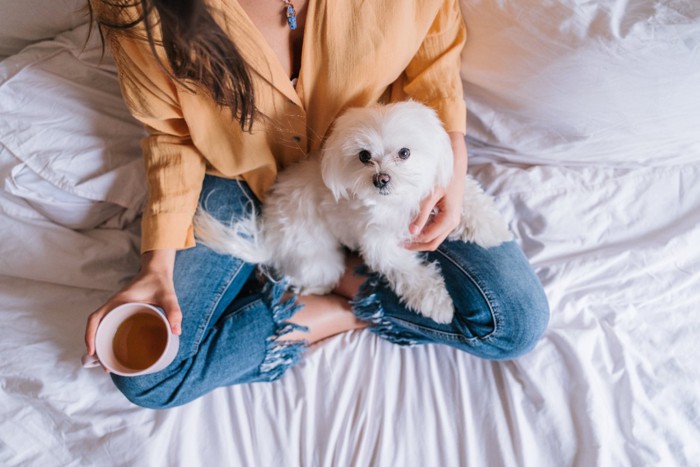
215 303
486 294
495 316
454 336
237 311
245 190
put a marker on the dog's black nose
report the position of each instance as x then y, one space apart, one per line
381 180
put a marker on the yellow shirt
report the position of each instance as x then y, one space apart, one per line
354 53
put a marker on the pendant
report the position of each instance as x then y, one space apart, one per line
291 16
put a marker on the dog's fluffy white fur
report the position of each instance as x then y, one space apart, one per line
363 192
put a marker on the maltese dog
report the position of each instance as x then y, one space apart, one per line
362 193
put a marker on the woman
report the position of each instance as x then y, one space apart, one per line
230 92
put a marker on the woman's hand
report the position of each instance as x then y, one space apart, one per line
153 284
440 212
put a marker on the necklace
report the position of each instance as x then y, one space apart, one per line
291 14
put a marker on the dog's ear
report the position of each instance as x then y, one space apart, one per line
331 173
440 141
427 128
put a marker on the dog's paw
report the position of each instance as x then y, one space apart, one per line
313 274
308 288
442 315
486 231
432 302
481 223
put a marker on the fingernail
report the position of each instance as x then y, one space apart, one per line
413 229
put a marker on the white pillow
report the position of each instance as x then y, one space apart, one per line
573 82
23 22
63 118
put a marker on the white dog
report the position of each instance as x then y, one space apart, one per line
376 167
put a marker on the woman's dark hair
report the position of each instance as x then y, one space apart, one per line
197 48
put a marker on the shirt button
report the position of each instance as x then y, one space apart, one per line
296 138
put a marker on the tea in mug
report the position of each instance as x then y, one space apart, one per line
139 341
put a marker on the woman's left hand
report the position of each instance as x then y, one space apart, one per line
440 212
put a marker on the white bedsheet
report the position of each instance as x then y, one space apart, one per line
614 382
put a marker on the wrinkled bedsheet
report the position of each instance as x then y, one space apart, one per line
612 231
615 380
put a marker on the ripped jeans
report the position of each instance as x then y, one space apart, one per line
233 327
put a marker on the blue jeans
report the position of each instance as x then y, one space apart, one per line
233 326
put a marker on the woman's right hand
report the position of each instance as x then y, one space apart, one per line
153 284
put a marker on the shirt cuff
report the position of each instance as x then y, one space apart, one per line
453 113
166 231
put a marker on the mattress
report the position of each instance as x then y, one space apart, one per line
615 380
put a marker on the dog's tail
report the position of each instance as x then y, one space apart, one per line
243 239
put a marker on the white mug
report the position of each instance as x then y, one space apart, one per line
133 339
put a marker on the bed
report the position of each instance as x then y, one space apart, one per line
584 123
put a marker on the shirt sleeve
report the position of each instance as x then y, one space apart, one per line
433 75
174 167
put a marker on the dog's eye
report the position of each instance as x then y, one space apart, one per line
365 156
404 153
